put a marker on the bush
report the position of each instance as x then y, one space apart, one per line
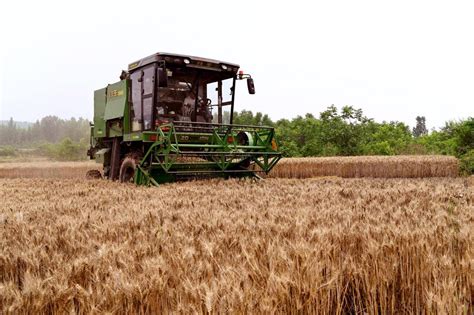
467 163
66 150
378 148
7 151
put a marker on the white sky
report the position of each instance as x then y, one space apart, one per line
393 59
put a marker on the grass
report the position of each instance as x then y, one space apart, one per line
326 245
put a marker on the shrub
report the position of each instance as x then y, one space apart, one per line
7 151
66 150
467 163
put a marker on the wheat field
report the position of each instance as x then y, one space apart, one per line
400 166
325 246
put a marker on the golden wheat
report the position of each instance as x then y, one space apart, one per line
402 166
327 246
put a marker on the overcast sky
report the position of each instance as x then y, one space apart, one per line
393 59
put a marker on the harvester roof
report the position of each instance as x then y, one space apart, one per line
185 60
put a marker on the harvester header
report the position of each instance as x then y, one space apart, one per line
164 121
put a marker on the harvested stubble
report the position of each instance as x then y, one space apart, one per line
45 169
323 246
402 166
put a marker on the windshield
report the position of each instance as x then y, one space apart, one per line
165 94
194 95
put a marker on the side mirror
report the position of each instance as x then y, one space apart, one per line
250 86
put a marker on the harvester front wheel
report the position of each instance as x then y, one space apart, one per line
127 170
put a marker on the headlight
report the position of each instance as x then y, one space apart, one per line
224 67
187 61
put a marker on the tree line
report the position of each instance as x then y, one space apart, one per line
52 137
50 129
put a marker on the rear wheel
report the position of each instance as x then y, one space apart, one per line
127 170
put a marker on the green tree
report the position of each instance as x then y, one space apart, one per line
420 128
386 139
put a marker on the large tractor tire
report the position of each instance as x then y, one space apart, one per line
127 170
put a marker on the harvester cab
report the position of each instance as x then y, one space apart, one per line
165 120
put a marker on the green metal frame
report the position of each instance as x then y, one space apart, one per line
177 151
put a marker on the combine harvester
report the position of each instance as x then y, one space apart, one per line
156 125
